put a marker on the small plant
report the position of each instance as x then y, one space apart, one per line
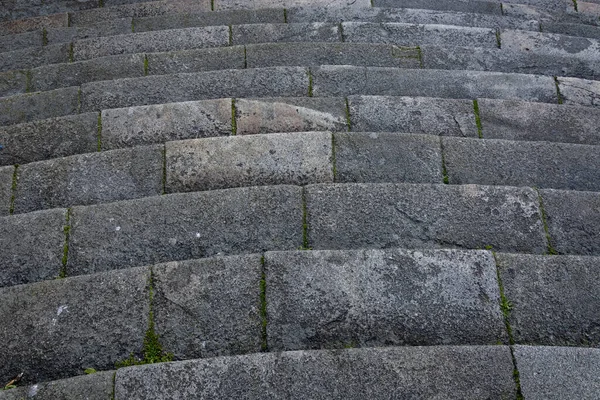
89 371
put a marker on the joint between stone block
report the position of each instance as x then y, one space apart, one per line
558 93
285 16
341 31
263 305
245 57
498 38
233 118
445 177
333 158
348 115
550 250
146 65
477 119
13 190
99 133
164 169
305 241
65 257
310 83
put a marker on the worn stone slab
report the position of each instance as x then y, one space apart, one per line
277 81
576 91
185 226
301 32
49 138
573 221
519 163
347 216
68 325
119 26
20 41
589 9
551 43
12 27
581 30
34 57
196 60
211 307
300 114
483 7
521 120
38 105
339 80
112 3
555 299
135 126
19 9
90 179
376 298
387 157
432 116
12 82
6 181
421 372
256 4
553 373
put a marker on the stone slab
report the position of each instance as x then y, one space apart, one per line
119 26
34 57
387 157
68 325
347 216
185 226
208 308
256 4
551 43
20 41
553 373
135 126
448 372
12 27
301 32
483 7
196 60
581 30
576 91
254 160
12 82
6 179
90 179
39 105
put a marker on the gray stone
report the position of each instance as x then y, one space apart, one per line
518 163
169 40
424 216
55 76
68 325
135 126
555 299
591 10
277 81
49 138
12 27
185 226
34 57
26 9
521 120
377 298
576 91
90 179
432 116
525 11
483 7
211 307
573 221
551 44
342 80
302 32
402 34
111 3
12 82
196 60
556 373
572 29
6 178
20 41
96 386
449 372
256 4
387 157
39 105
105 28
301 114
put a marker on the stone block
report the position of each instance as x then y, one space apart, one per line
301 32
196 60
38 105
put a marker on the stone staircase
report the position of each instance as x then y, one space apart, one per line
293 199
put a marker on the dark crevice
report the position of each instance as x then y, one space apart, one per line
233 118
348 115
558 93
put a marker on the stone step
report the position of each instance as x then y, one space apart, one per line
551 44
95 386
14 27
16 9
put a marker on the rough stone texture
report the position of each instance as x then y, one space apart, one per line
588 9
25 9
201 4
447 372
20 41
424 215
579 91
271 115
68 325
12 27
278 81
134 126
49 138
196 60
402 34
39 105
90 179
376 298
12 82
207 308
442 117
256 4
520 120
185 226
37 254
302 32
556 373
34 57
555 299
573 221
55 76
387 157
348 80
483 7
518 163
104 29
551 44
169 40
572 29
6 177
254 160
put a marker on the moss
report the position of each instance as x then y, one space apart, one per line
71 53
285 19
99 133
341 31
146 67
478 119
230 35
114 380
310 83
333 158
263 305
28 81
44 37
445 177
498 39
233 118
550 250
13 190
420 56
558 93
65 257
68 20
100 3
348 116
575 5
488 247
245 58
89 371
212 5
304 223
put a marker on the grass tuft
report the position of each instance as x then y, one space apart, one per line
341 32
71 53
478 119
310 83
575 6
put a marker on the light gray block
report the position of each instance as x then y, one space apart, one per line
551 44
12 82
483 7
196 60
34 57
576 91
39 105
6 178
302 32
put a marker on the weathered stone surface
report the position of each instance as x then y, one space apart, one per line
112 27
521 120
387 157
579 91
34 57
378 298
519 163
573 221
302 114
555 299
448 372
12 82
135 126
423 215
432 116
49 138
551 44
196 60
37 254
112 3
12 27
90 179
581 30
68 325
254 160
302 32
185 226
25 9
484 7
556 373
589 9
277 81
6 178
39 105
211 307
20 41
255 4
